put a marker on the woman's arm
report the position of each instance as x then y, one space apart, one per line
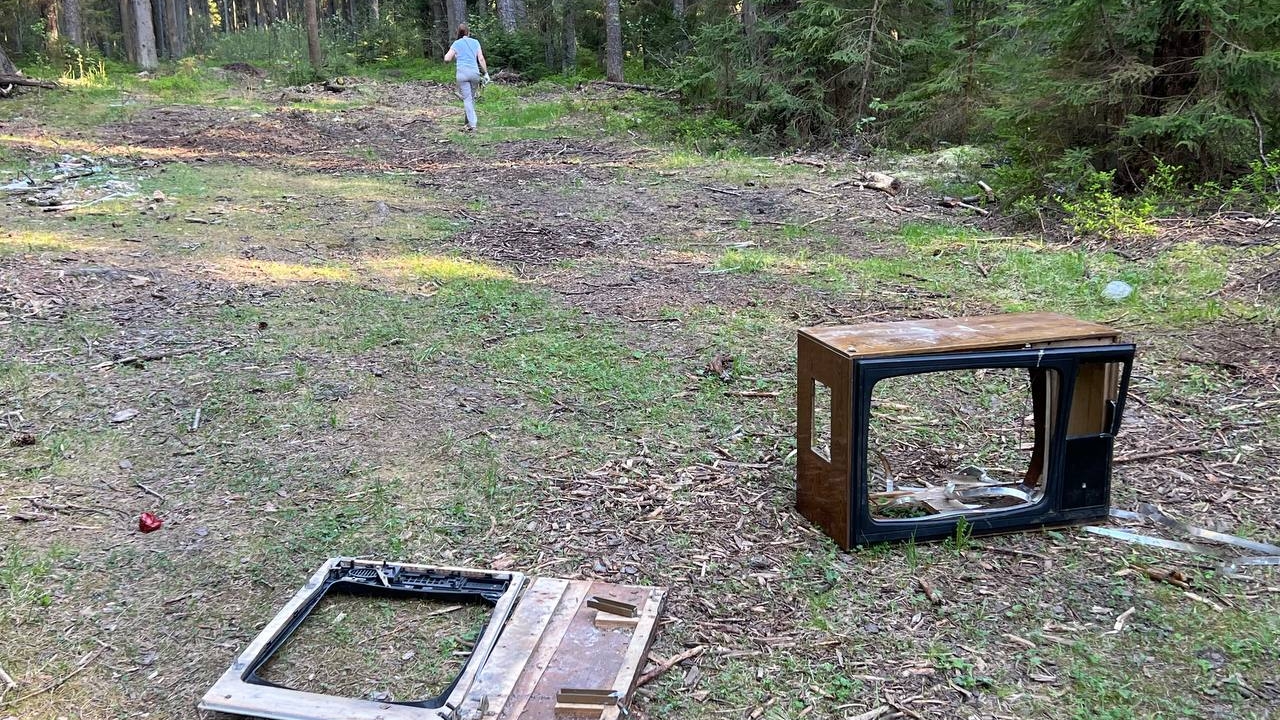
484 67
449 56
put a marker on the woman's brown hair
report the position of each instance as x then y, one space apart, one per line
463 31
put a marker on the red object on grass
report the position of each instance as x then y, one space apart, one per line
148 522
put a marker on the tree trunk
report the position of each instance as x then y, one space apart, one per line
50 13
507 14
183 16
313 35
223 7
1179 46
144 34
570 30
613 40
159 28
749 23
679 11
457 14
861 107
72 23
374 13
6 66
251 13
442 36
450 18
174 38
129 32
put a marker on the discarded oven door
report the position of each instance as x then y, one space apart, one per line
1063 380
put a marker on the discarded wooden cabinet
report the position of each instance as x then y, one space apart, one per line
1077 376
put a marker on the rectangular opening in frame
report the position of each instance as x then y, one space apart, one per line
255 683
820 440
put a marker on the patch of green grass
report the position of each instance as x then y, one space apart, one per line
749 260
24 580
187 82
1175 287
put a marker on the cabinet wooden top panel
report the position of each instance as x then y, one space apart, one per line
923 337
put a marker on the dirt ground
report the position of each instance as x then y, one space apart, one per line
295 331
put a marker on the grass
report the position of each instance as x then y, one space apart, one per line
1177 286
366 388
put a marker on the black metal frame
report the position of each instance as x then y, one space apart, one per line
1085 459
391 581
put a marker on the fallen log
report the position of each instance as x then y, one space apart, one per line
25 81
633 86
950 202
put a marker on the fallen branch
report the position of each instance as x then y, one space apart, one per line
149 491
991 194
887 184
28 82
633 86
950 202
750 393
667 664
1173 577
734 193
84 664
1187 450
147 357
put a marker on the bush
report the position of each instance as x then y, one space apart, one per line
1096 210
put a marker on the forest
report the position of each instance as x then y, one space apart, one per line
1074 96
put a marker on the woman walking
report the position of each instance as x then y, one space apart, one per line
472 69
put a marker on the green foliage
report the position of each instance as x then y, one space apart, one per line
801 89
391 38
1096 210
521 50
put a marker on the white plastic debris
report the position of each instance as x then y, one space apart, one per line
1117 290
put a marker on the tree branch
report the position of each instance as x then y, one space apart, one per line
28 82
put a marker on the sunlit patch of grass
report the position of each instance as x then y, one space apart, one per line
283 272
524 115
19 241
750 261
439 268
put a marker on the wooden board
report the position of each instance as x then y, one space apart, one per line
922 337
552 642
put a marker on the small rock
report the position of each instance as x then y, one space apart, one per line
1117 290
148 659
126 464
407 656
202 531
124 415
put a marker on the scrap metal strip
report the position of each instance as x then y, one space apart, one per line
1153 512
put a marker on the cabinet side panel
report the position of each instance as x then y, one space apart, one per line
822 487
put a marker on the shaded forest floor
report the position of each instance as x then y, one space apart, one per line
297 325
